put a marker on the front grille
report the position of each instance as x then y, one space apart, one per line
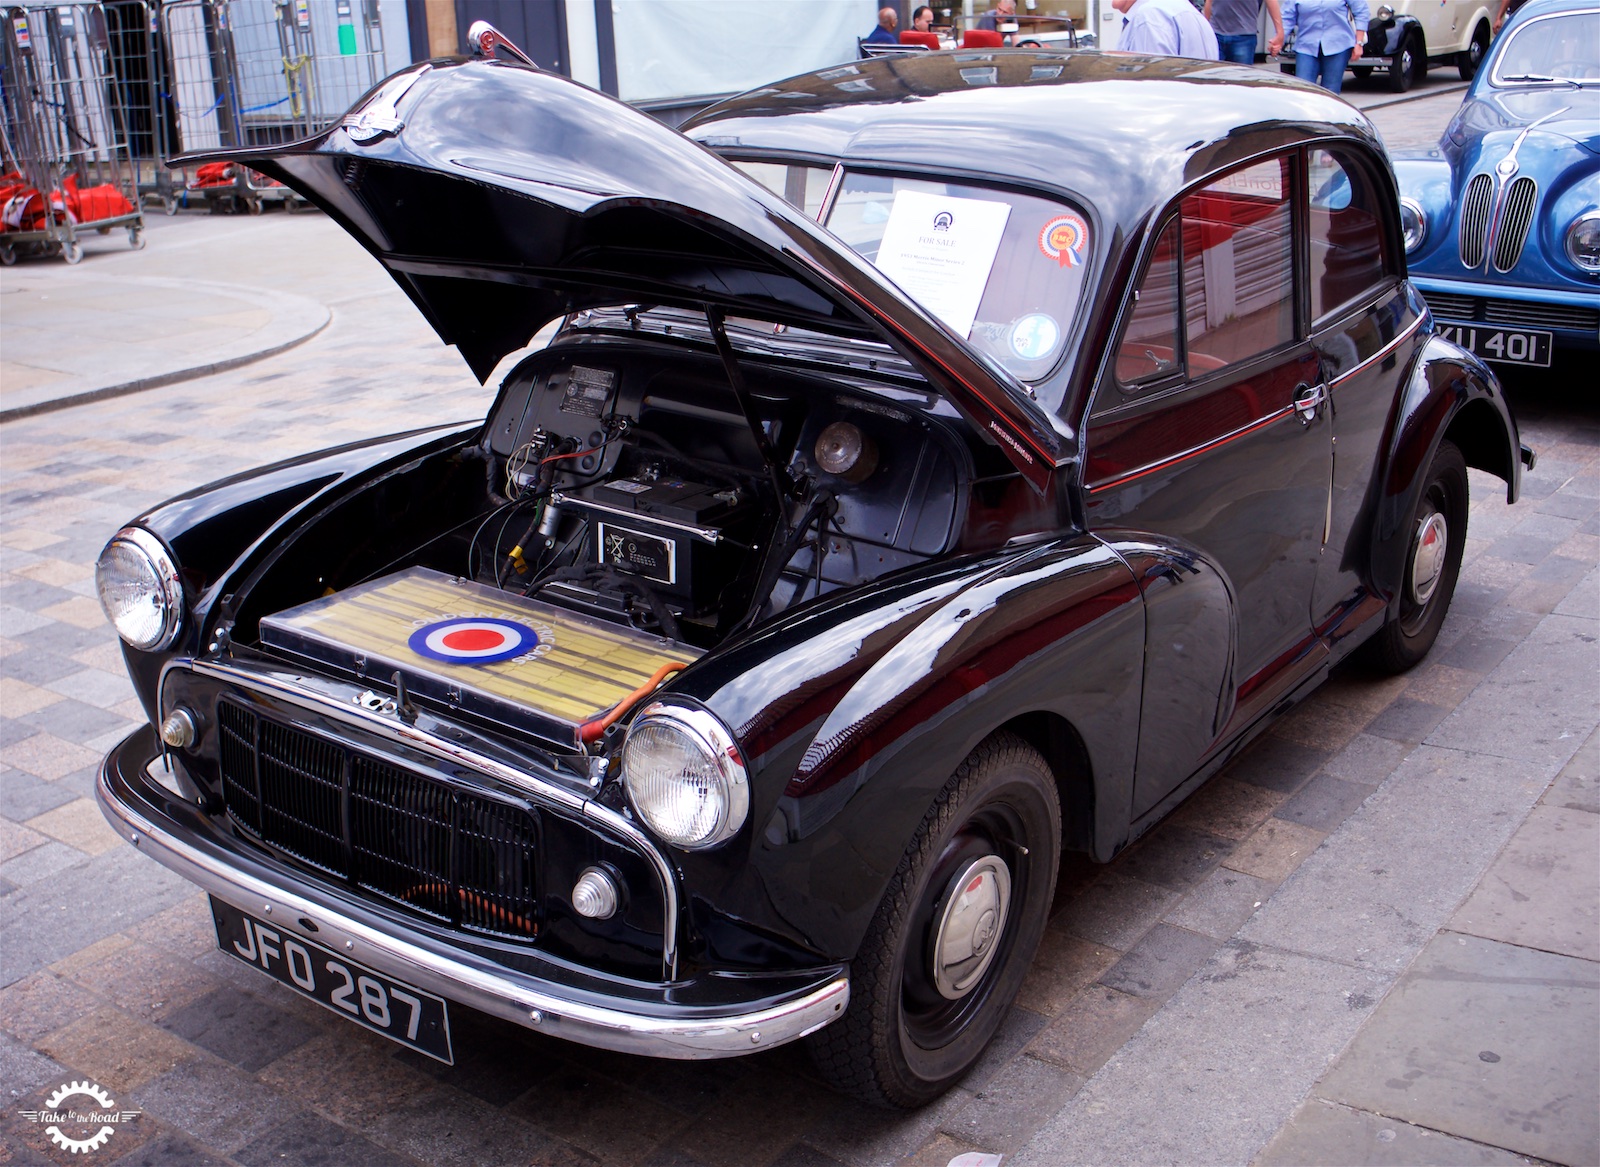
452 855
1476 205
1512 313
1513 230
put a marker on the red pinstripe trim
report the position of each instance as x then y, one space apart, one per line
1381 354
1198 450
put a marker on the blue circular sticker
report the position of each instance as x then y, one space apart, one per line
1034 336
473 640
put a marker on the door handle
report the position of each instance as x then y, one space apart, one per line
1307 400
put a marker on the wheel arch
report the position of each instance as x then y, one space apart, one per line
1064 751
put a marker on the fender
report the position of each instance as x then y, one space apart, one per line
1450 393
865 721
218 532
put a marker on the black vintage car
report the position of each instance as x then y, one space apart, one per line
941 463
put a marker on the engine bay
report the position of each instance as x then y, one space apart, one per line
691 495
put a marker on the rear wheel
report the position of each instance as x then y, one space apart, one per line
952 939
1468 60
1437 534
1403 65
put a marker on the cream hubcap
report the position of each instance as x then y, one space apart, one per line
969 928
1427 559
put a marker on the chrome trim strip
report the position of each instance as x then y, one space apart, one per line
708 534
1382 354
1140 471
471 981
392 727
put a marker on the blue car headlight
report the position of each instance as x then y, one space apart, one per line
1583 242
1413 223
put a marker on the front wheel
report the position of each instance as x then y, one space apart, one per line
1469 59
1437 535
1403 66
952 939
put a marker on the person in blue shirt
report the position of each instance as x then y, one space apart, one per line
1325 39
884 33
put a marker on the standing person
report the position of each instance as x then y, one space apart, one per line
1235 23
884 33
922 19
1324 40
1504 13
1165 28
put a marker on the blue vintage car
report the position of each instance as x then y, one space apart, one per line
1502 221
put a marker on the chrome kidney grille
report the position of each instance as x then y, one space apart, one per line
457 857
1515 220
1477 207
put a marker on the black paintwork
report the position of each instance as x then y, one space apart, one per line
1137 631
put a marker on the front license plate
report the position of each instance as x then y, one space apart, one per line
408 1015
1508 346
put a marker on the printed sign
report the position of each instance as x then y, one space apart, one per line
940 249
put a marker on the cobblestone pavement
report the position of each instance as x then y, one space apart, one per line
109 970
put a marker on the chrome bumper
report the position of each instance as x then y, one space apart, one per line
151 819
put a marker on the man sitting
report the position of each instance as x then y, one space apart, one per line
884 33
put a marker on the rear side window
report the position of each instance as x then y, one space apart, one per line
1220 286
1350 253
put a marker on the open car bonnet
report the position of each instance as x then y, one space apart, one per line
500 197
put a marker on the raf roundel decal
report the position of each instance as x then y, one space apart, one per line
476 640
1063 240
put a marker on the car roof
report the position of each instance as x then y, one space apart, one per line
1123 131
1538 7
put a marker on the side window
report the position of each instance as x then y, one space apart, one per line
1238 267
1350 254
1220 286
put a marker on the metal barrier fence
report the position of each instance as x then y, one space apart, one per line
63 133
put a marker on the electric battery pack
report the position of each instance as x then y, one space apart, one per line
515 661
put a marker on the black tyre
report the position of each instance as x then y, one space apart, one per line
1362 72
1436 535
1471 57
952 939
1403 66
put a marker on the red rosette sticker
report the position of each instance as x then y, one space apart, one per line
1063 240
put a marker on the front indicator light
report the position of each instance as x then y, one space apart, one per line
139 589
595 895
1583 242
179 730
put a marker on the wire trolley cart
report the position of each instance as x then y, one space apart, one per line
64 134
259 72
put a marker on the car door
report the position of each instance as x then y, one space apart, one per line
1208 462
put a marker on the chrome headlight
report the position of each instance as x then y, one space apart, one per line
1413 223
685 776
139 589
1583 242
1385 12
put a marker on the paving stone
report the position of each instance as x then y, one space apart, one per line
216 1104
940 1151
1541 892
164 1149
1016 1103
240 1029
41 1004
24 795
1397 869
1276 764
744 1127
315 1142
863 1136
801 1155
145 981
1173 856
1321 725
1324 803
349 1074
74 721
80 825
33 595
1275 850
19 697
1522 548
1063 964
23 1069
1092 1028
1227 808
37 668
583 1110
1560 569
96 687
1490 1041
1325 1132
1368 759
1159 964
1441 684
1221 903
28 1140
115 1050
16 839
1407 720
47 756
1116 910
1578 784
